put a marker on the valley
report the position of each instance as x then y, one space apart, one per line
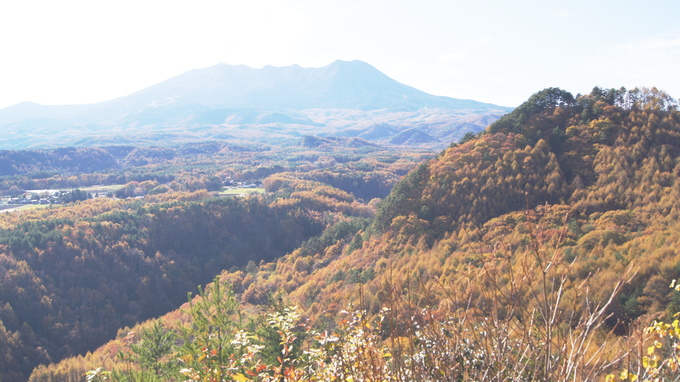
172 217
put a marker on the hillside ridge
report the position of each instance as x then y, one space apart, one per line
562 196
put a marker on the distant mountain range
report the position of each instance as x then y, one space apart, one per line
272 104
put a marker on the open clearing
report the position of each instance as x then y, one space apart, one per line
241 191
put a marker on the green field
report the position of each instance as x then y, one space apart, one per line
103 189
23 207
241 191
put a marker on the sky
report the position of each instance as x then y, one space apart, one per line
499 51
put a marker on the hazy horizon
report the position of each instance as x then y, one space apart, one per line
76 52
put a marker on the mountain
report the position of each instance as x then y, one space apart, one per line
340 85
246 103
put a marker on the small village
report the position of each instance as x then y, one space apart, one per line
47 197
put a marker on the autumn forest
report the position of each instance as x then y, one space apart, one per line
542 248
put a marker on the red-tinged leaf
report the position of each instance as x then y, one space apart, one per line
250 372
280 360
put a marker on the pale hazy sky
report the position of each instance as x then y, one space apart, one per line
501 51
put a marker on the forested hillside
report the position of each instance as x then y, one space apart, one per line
87 272
72 275
536 250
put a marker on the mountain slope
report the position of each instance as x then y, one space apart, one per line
228 99
556 200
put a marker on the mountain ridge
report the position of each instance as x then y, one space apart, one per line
243 86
